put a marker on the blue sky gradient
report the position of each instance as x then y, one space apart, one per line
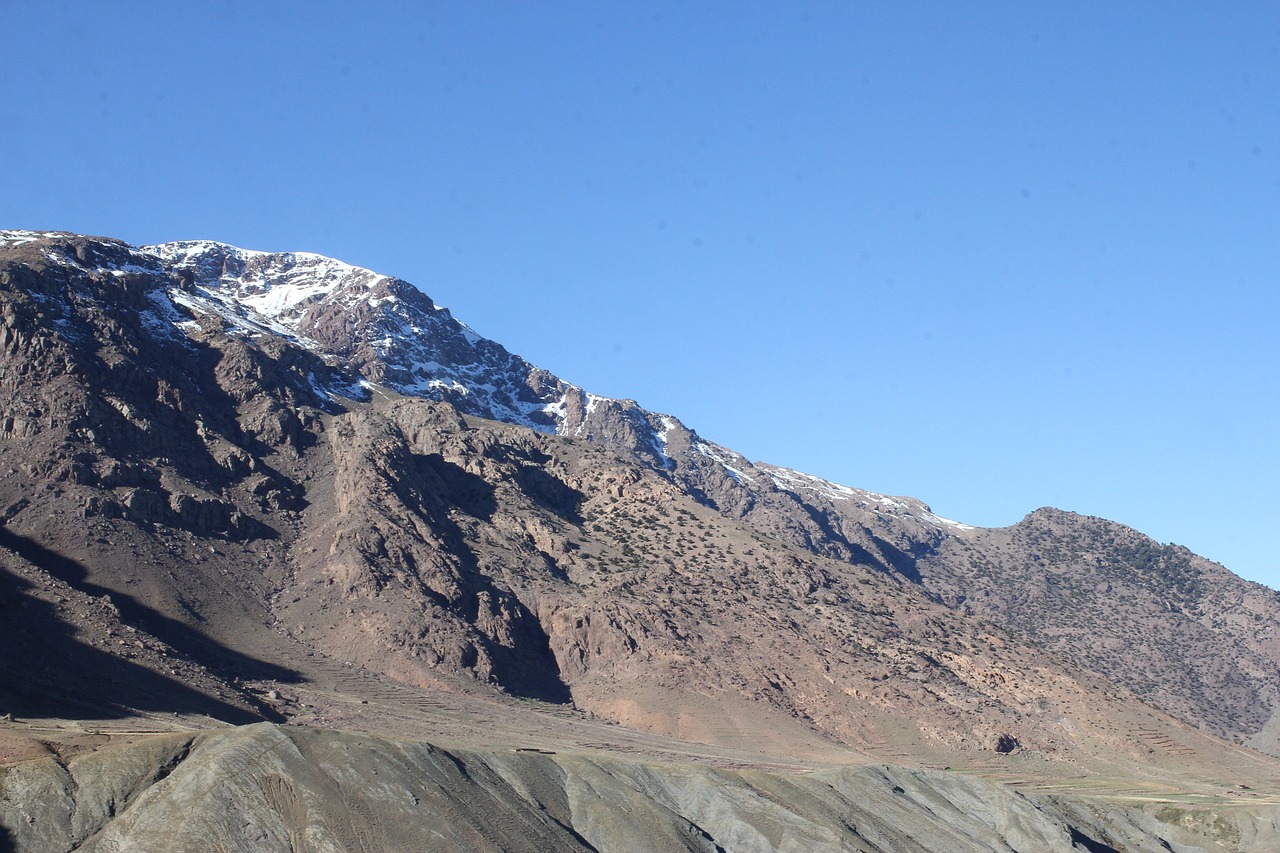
994 256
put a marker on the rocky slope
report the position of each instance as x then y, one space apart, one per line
394 335
228 475
1177 629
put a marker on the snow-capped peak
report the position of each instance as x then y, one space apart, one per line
393 335
274 284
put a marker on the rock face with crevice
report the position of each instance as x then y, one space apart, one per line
222 472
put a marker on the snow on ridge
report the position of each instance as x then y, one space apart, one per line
469 333
277 285
128 268
63 256
188 252
659 438
18 236
62 259
668 424
938 519
237 319
185 250
272 283
790 480
714 452
267 296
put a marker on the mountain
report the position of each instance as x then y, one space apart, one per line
240 486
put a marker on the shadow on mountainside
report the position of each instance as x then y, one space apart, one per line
429 486
1080 840
887 557
49 669
903 562
45 671
551 493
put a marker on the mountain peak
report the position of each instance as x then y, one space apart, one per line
388 333
277 285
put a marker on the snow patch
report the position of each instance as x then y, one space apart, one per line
61 259
274 284
16 237
668 424
946 522
660 440
557 410
723 457
128 268
592 402
454 386
357 390
235 318
791 481
162 319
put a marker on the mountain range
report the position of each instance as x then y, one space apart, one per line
277 492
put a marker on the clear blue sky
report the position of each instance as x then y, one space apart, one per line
995 256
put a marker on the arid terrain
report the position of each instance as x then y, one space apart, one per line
291 560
